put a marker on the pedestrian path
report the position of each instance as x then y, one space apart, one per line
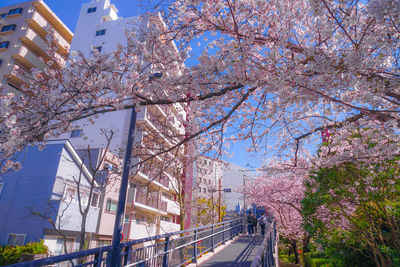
239 253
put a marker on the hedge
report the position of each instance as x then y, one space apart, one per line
11 255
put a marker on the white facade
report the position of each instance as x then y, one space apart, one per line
151 207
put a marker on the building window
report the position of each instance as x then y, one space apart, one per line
165 218
76 133
204 190
1 62
111 206
4 44
16 239
3 16
101 32
15 11
200 189
97 48
1 187
127 218
7 28
95 200
91 10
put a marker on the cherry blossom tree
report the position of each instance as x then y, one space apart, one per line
276 72
281 192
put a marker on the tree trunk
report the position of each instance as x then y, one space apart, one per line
293 243
306 242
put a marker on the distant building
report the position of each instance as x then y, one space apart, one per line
45 190
207 186
23 31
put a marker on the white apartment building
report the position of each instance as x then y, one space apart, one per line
151 206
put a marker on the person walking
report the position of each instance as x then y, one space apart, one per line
250 223
262 221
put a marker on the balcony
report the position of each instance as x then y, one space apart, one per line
151 202
160 178
146 201
19 75
158 123
35 42
173 207
28 59
42 26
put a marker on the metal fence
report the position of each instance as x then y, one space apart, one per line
171 249
265 255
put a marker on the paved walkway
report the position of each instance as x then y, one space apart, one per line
239 253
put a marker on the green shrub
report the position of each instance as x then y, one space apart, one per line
11 255
319 262
311 255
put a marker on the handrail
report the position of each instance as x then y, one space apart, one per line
265 254
96 256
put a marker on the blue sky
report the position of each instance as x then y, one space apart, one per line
68 12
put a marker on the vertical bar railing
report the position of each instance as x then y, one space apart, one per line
157 254
212 238
195 246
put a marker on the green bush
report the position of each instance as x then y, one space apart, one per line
11 255
311 255
319 262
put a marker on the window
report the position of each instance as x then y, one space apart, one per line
91 10
204 190
16 239
1 62
70 194
101 32
98 48
95 200
76 133
3 16
1 187
4 44
127 218
111 206
7 28
139 219
15 11
200 189
165 218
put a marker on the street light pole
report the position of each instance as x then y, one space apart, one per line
116 241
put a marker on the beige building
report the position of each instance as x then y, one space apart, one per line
207 186
23 31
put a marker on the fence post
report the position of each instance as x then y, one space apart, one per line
212 238
98 257
195 247
127 255
166 248
223 234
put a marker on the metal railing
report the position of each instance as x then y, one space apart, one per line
170 249
265 255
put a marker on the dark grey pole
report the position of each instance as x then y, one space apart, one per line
116 248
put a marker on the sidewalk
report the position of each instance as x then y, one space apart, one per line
240 252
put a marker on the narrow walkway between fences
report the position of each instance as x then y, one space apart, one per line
179 249
239 253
